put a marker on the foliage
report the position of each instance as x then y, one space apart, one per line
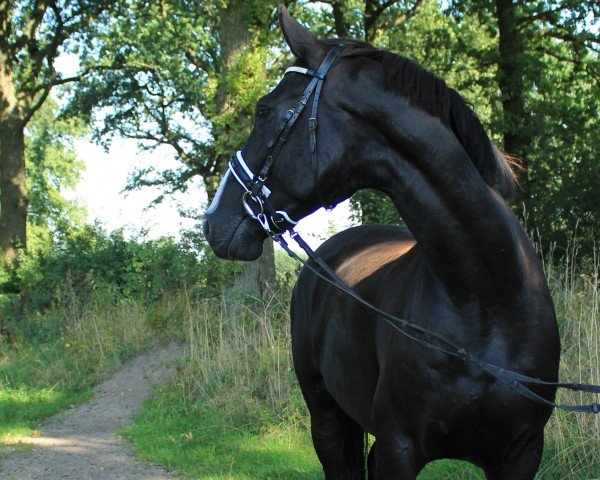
556 72
52 167
89 264
372 206
547 70
170 77
32 35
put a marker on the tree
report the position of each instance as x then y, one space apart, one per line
547 68
530 70
370 21
183 74
32 35
52 166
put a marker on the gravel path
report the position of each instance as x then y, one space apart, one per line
80 443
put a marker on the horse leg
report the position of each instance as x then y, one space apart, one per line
522 461
395 457
338 440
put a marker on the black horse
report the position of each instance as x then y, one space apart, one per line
464 268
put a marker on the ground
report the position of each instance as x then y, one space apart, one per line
81 442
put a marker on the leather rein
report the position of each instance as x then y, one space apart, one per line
277 222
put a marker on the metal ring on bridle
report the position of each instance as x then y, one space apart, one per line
247 197
255 199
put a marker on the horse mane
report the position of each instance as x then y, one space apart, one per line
430 93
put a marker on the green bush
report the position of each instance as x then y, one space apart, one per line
90 266
83 303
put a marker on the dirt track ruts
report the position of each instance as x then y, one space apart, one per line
80 443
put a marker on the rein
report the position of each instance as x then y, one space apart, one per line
276 222
515 380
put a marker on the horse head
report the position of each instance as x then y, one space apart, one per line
300 178
383 122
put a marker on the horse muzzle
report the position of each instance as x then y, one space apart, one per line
240 238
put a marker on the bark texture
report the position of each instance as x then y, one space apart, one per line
511 82
258 277
13 192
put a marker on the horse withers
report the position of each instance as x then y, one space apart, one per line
464 268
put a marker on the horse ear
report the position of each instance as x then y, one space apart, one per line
302 43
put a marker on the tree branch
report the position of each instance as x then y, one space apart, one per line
405 17
27 38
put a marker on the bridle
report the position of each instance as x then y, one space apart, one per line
276 222
256 194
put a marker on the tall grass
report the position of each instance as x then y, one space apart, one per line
237 387
573 440
235 410
245 359
61 354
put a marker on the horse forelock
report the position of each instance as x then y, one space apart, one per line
430 93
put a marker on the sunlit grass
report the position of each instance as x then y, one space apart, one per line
205 445
451 470
41 378
239 376
22 407
234 410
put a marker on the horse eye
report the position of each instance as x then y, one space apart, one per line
262 112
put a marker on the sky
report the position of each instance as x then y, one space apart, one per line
101 191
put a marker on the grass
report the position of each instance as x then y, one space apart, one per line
573 440
75 348
235 411
178 435
235 403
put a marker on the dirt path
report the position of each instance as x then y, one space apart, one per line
80 443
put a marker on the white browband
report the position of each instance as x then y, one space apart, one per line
304 71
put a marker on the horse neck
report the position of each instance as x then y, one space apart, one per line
471 239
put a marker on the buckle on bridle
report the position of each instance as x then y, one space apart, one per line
253 205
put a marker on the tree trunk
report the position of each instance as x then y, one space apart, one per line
511 82
258 277
341 27
13 198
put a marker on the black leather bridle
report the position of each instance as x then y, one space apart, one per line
276 222
256 195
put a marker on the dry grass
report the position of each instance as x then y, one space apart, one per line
241 364
242 367
573 439
40 378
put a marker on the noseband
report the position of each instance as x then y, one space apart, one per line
256 195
